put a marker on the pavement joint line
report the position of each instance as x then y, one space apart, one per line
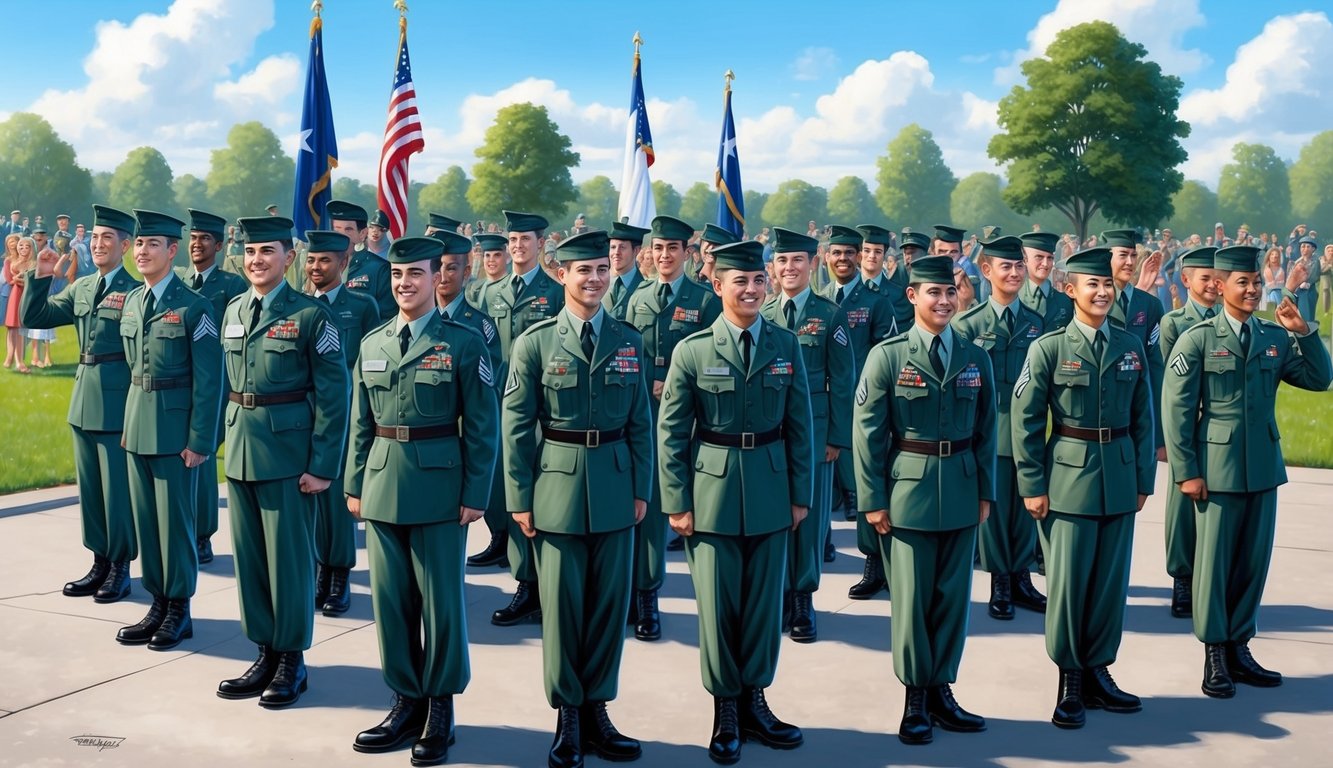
108 620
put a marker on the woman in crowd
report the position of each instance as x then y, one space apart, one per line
1274 276
18 260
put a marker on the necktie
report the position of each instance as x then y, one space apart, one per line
446 314
1209 312
617 291
789 313
256 307
1245 339
149 304
838 296
324 297
196 282
1009 320
101 291
404 339
517 284
1040 301
1098 345
1123 301
937 357
586 338
747 341
664 294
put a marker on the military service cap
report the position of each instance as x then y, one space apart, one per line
203 221
524 222
440 221
1199 256
1007 247
1120 238
871 233
671 228
747 255
489 241
947 234
1237 258
1090 261
154 224
1042 241
593 244
453 242
717 235
931 269
380 219
324 241
106 216
624 231
917 239
409 250
38 229
266 229
341 210
787 241
840 235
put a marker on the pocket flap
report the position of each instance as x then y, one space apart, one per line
168 330
284 419
1071 378
910 393
1070 453
711 460
560 458
717 384
438 454
1220 364
1219 433
909 466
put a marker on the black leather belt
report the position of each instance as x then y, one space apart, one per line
252 400
159 383
110 357
742 440
1098 435
588 438
941 448
408 434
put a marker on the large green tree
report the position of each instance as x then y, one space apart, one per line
190 191
754 212
1312 183
914 181
978 202
523 165
795 203
598 200
39 172
1254 189
353 191
699 205
850 203
250 173
1094 129
1195 211
448 195
143 181
666 199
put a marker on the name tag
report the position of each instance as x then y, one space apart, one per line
234 331
723 371
375 365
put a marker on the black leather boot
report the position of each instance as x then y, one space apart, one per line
945 712
176 626
566 748
1025 595
915 726
340 597
289 681
117 584
496 553
849 510
1001 605
138 634
398 729
204 549
803 629
525 605
433 746
1101 692
1069 710
1244 669
648 621
1217 680
322 574
676 543
1182 598
254 680
872 580
724 746
600 735
88 583
758 722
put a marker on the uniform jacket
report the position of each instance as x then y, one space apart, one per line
356 315
691 309
220 287
894 290
870 317
480 322
1218 405
569 488
98 401
618 309
1062 377
543 298
445 378
1176 322
295 347
735 491
900 397
830 367
980 326
1144 321
369 274
179 341
1057 309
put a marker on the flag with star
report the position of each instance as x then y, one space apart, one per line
727 177
636 189
318 154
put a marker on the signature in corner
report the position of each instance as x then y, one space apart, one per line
101 742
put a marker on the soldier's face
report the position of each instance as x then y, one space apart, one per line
1201 283
1240 291
742 294
523 249
453 273
585 281
355 232
1122 263
843 261
793 270
414 287
1006 276
324 269
872 259
669 256
107 247
908 252
952 250
203 250
265 264
153 255
374 234
935 304
1092 295
494 263
622 256
1038 263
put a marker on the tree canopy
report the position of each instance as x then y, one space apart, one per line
144 180
914 181
1254 190
850 203
597 201
1312 182
448 195
523 165
39 171
666 199
795 203
250 173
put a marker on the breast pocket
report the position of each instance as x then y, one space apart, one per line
432 393
618 393
965 408
1125 380
719 397
233 354
775 394
1269 367
170 345
561 391
1071 392
281 361
915 404
1219 373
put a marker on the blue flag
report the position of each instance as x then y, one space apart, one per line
318 154
727 178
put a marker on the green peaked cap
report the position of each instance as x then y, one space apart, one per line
1237 258
747 255
1094 261
671 228
621 230
203 221
489 241
1198 256
516 221
788 241
266 229
440 221
1120 238
453 242
874 234
341 210
154 224
1042 241
717 235
106 216
325 241
931 269
947 234
1007 247
593 244
408 250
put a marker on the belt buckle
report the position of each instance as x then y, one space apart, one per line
1103 434
146 381
248 400
747 440
592 439
402 434
87 359
946 449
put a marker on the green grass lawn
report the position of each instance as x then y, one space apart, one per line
36 449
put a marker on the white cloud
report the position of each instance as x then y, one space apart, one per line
1158 25
814 63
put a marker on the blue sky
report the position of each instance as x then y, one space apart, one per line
820 88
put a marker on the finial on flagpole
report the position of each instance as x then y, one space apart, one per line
317 6
728 77
400 6
638 41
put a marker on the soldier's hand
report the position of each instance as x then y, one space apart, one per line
1195 488
311 484
1143 497
879 520
524 522
984 512
62 263
354 506
469 515
1289 317
797 515
640 510
1299 272
46 262
657 389
192 459
1037 506
682 523
831 453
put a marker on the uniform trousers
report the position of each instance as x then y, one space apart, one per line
104 495
1087 581
162 491
1236 533
271 523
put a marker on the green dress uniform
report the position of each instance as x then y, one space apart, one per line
1218 399
894 291
1008 537
1055 308
170 338
286 415
617 298
1140 313
736 448
369 274
219 287
93 305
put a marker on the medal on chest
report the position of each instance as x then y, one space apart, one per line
286 329
684 315
857 317
910 376
969 377
1131 362
625 360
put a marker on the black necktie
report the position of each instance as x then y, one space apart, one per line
149 304
196 282
838 297
1245 339
101 291
517 284
1209 312
617 291
789 313
747 341
586 338
404 340
1009 320
664 294
937 357
256 307
1123 301
324 297
1098 345
446 314
1040 301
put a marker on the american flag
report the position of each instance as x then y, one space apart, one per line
402 139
